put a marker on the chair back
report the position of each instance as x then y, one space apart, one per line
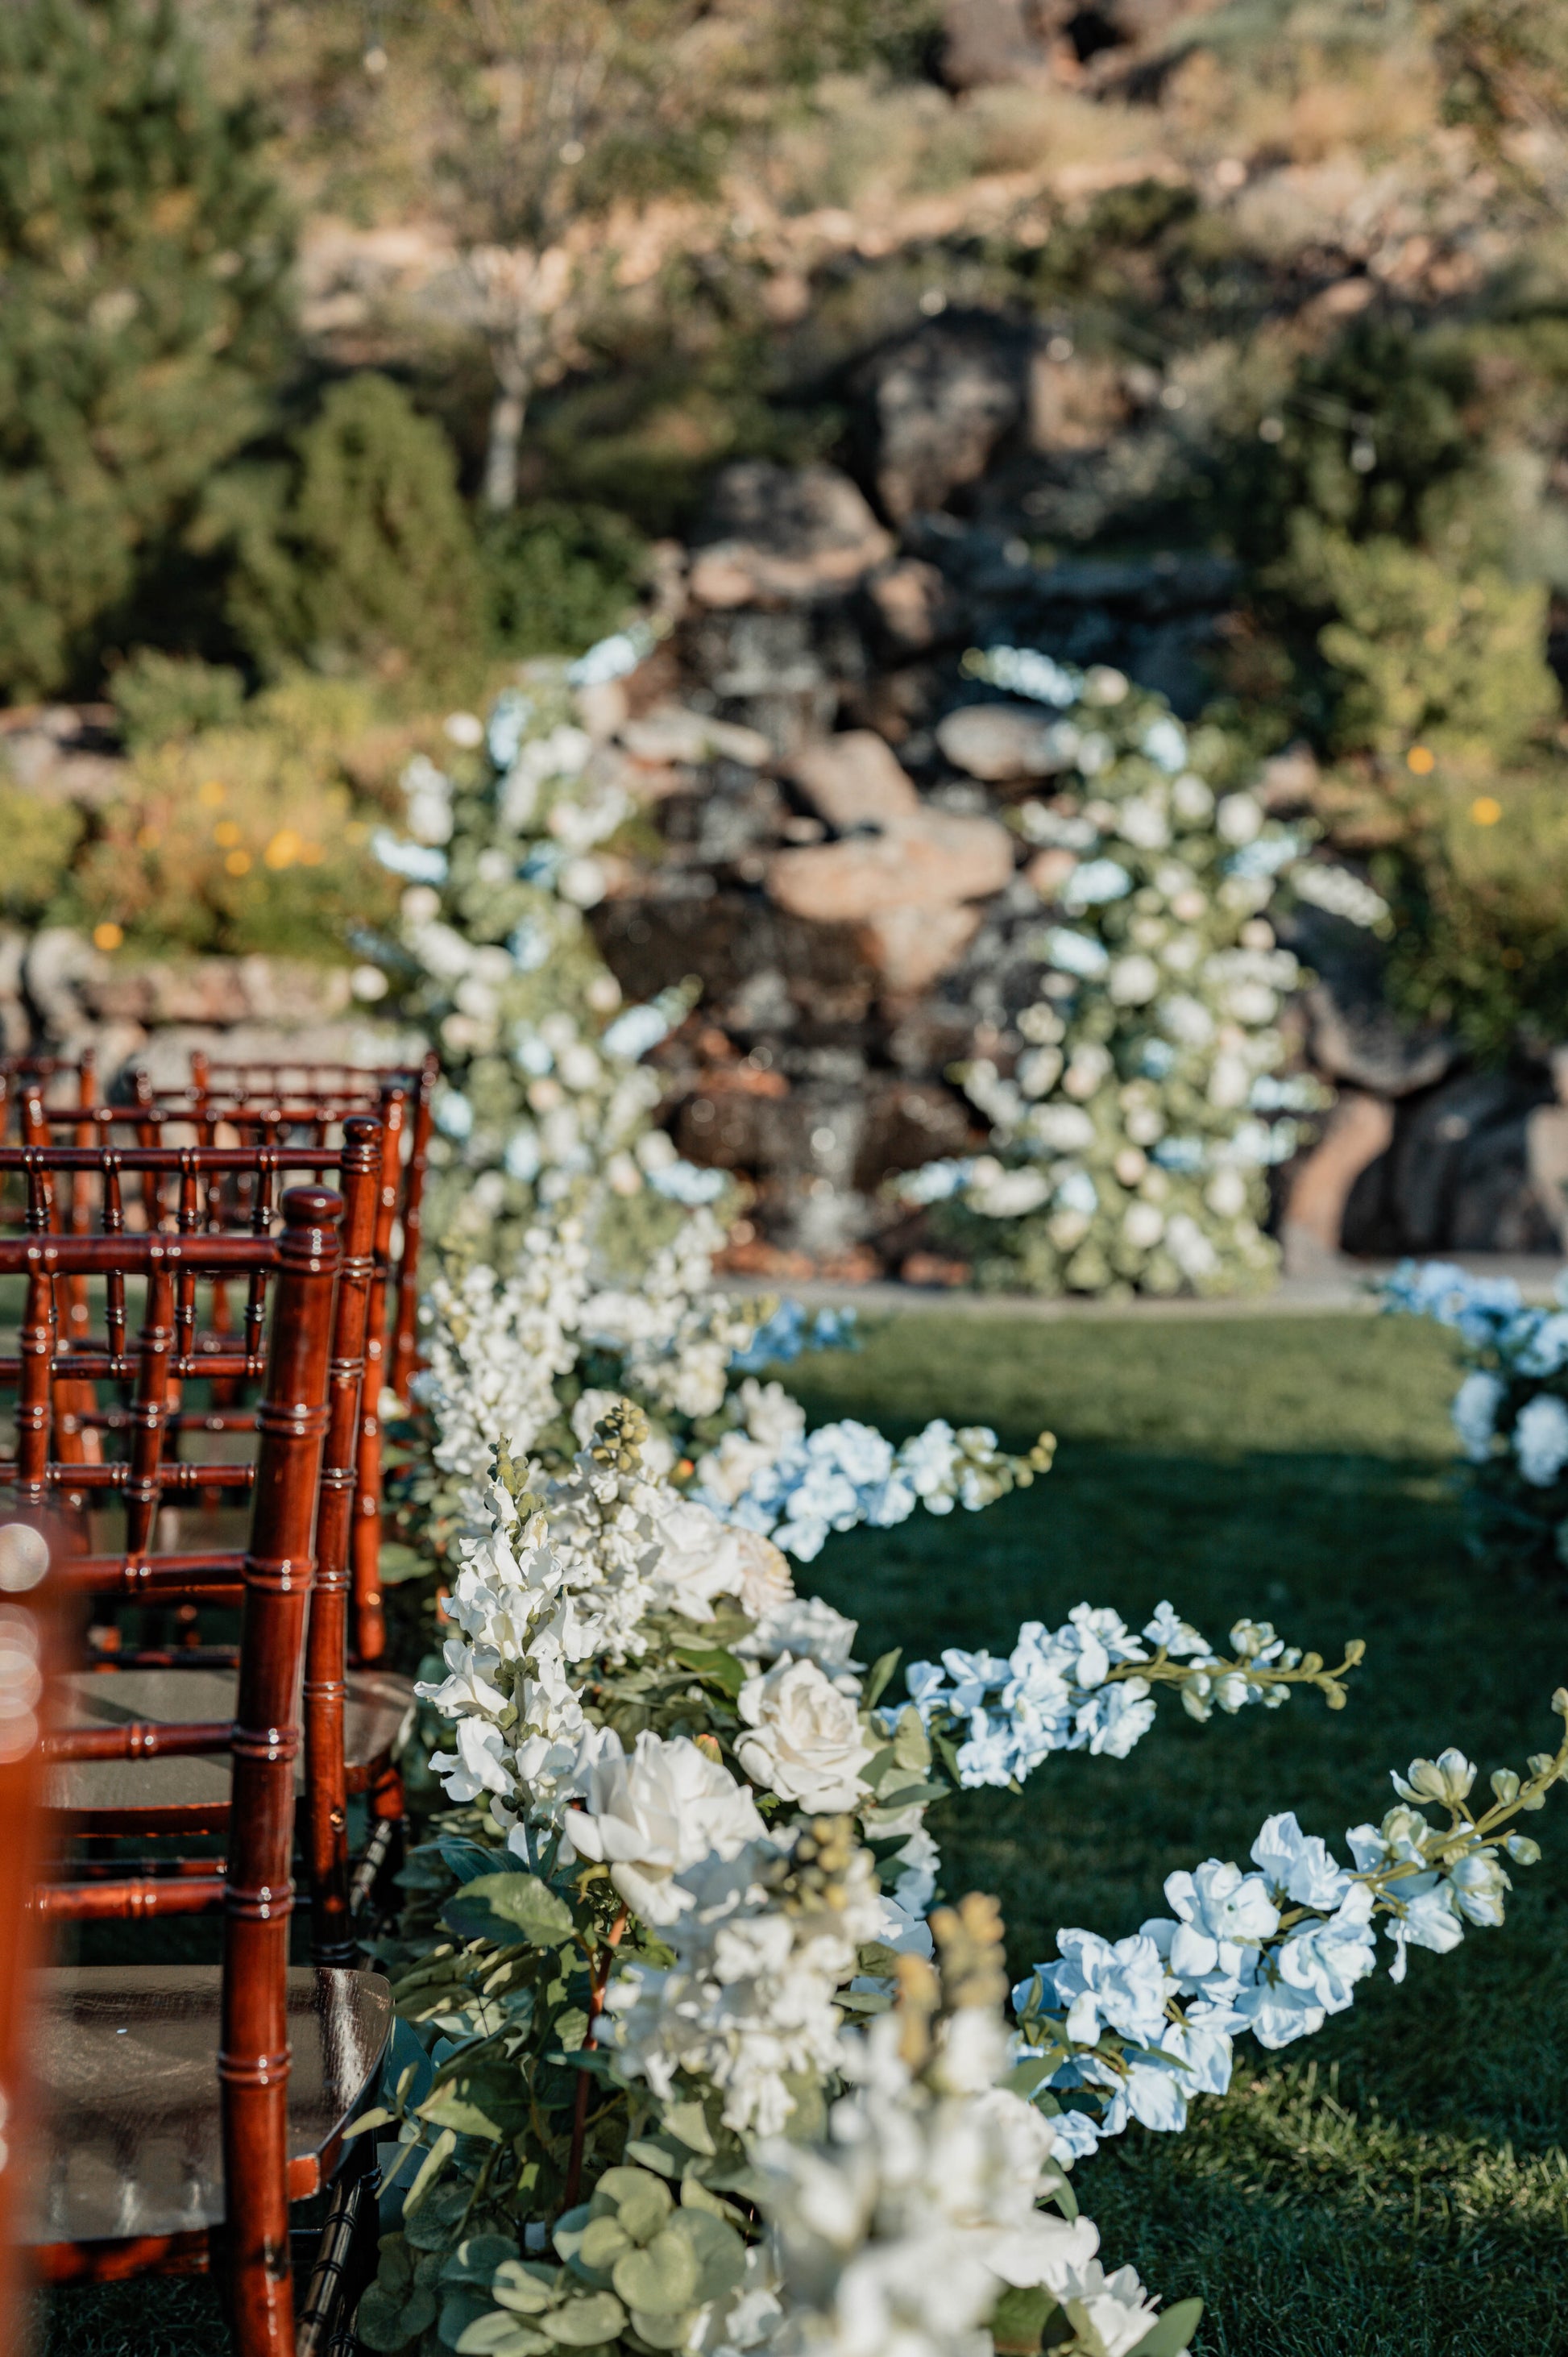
276 1573
26 1632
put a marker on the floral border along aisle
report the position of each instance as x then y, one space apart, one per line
683 2063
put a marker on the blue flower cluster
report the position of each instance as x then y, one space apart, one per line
790 1333
846 1474
1054 1691
1510 1403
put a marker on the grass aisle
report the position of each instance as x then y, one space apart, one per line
1394 2187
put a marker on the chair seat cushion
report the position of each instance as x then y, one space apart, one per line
377 1721
127 2065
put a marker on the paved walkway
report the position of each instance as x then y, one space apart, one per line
1346 1289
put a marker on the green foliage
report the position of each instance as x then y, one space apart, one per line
558 577
158 696
248 837
40 839
1367 429
1479 890
1505 61
142 251
1425 652
366 559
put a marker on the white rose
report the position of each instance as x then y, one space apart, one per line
769 1414
702 1558
809 1630
807 1742
654 1816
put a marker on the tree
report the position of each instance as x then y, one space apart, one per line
144 252
566 120
367 558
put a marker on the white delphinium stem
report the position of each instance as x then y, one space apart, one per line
1132 2028
1090 1686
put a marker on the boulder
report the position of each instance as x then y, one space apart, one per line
1074 403
941 400
784 535
932 861
852 781
670 733
914 605
1457 1177
912 948
1000 741
1353 1034
989 41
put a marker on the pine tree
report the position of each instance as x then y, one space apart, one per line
142 255
367 558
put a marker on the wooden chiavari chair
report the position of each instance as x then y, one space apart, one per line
356 1719
27 1646
279 1102
67 1080
345 1088
188 2106
296 1132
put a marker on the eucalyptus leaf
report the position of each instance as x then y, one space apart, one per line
476 2257
500 2335
435 2161
661 2331
882 1669
689 2123
911 1745
663 2278
642 2202
386 2322
719 2252
463 2305
524 2287
583 2323
1019 2319
605 2240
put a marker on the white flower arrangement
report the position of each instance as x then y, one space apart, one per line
546 1102
762 2097
508 1355
1136 1113
1511 1411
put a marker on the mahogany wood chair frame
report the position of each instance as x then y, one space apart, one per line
227 1088
307 1381
205 1190
28 1649
171 1349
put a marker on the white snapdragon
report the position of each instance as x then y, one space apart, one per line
749 2003
903 2229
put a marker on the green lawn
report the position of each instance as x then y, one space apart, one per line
1396 2184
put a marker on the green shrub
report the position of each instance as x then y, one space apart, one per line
143 252
558 577
1425 652
158 696
249 837
40 839
1479 890
361 556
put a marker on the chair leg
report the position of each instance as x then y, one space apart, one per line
340 2272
